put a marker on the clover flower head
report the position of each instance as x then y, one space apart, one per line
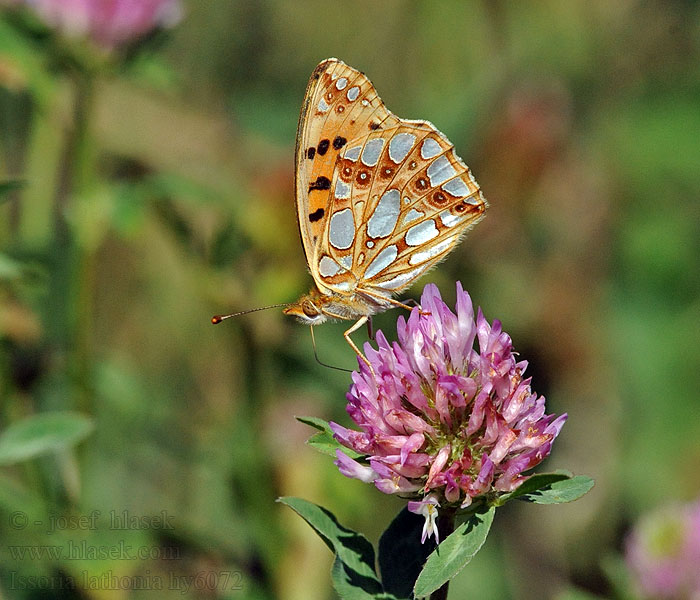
108 23
663 553
438 420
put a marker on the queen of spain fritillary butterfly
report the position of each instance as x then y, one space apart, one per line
380 200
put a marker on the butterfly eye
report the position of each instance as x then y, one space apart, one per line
310 309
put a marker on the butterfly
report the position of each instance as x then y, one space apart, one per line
380 200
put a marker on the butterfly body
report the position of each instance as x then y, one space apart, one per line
380 200
316 307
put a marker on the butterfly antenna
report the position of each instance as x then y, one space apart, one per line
319 361
216 319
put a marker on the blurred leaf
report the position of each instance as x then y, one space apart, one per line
454 553
143 66
7 186
9 268
353 570
128 211
175 185
615 569
324 441
90 217
26 62
401 554
14 496
42 433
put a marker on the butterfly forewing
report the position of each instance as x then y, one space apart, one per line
340 105
380 199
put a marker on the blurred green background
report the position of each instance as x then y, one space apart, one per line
581 122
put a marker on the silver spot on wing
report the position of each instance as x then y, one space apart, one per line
385 215
342 229
421 233
382 261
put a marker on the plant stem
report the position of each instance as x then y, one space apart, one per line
84 158
446 525
82 172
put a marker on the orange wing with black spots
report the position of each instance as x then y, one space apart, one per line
380 199
340 106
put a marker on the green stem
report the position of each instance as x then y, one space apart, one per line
84 155
82 158
45 151
446 525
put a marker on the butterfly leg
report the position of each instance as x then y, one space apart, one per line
411 302
370 328
414 303
348 339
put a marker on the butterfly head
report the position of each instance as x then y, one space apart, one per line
308 309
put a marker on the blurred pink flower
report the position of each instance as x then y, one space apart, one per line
663 553
109 23
439 418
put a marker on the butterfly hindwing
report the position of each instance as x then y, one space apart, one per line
440 201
